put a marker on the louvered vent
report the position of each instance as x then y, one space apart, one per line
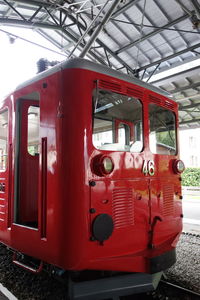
155 100
123 207
134 92
168 200
2 209
168 104
110 86
2 203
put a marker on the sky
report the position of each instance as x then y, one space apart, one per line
18 60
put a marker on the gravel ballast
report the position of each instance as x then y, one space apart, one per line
186 271
27 286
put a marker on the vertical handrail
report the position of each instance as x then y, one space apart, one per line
43 187
9 186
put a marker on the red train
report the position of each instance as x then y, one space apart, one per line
90 177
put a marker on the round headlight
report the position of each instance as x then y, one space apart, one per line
107 164
102 165
178 166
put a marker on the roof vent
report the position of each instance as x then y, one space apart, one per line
110 85
169 104
134 92
155 100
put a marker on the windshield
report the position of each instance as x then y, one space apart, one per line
117 122
162 136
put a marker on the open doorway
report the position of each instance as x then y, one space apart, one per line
27 160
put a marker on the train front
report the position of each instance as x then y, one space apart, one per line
127 213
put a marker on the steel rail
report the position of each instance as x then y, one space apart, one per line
180 289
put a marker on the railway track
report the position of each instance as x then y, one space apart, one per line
174 291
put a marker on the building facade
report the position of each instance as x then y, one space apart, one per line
190 147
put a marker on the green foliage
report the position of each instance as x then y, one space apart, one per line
191 177
166 137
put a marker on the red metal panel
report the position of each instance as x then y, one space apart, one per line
132 198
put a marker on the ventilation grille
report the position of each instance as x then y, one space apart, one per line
110 86
155 100
123 207
2 209
134 92
168 200
2 203
168 104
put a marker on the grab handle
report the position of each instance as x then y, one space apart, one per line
24 266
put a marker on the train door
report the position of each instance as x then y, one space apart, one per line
121 190
27 162
164 183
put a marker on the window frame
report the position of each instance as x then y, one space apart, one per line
38 106
175 130
2 110
94 102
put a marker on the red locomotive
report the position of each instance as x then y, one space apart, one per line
90 176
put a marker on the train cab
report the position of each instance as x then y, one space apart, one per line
90 171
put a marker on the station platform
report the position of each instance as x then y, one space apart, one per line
6 294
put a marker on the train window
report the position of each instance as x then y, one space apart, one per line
115 122
162 137
3 139
123 134
33 130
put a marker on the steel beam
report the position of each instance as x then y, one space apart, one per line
189 121
14 9
28 24
170 57
196 7
125 7
194 105
184 88
35 3
89 28
99 28
151 34
73 19
184 8
176 76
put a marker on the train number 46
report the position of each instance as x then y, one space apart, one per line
148 167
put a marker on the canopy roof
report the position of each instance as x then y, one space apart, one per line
144 38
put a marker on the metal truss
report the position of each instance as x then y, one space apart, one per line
81 25
52 22
76 12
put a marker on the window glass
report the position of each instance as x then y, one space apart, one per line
117 122
33 130
162 135
3 139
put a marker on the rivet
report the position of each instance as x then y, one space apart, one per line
92 183
92 210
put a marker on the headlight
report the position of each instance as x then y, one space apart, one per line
102 165
107 165
178 166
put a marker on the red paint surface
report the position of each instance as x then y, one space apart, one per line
65 196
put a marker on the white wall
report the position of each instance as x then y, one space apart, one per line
190 147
